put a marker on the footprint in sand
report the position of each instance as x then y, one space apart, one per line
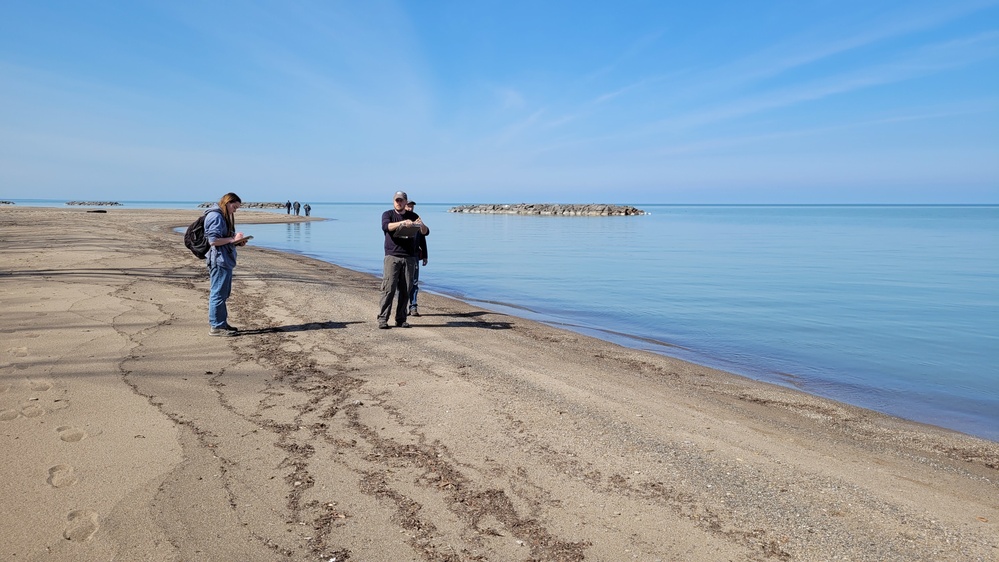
40 386
32 411
82 525
61 475
18 351
7 415
59 404
70 434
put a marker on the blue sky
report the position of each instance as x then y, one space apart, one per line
514 101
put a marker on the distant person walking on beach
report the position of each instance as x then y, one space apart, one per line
306 208
422 255
287 207
401 250
220 230
297 207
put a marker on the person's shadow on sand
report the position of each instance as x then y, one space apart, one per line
474 324
471 323
308 326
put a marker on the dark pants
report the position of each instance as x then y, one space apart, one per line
397 275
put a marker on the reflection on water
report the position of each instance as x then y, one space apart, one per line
298 233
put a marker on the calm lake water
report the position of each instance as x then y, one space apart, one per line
893 308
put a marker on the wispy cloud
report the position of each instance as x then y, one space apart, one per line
510 98
511 132
355 60
929 59
716 143
822 42
639 45
604 98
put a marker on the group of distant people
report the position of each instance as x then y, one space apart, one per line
405 247
288 206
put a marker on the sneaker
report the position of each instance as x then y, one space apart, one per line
222 331
414 312
228 327
383 326
402 324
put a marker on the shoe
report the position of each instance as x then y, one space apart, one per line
228 327
414 312
222 331
402 324
383 326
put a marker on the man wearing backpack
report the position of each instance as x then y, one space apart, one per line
220 230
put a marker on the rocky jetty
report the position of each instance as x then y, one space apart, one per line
250 205
95 203
6 202
591 210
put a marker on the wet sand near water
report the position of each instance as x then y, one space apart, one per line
129 433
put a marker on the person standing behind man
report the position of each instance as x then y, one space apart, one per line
401 250
220 230
422 255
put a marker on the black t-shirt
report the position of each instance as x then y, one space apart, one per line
402 247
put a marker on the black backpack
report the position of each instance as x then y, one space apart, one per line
195 239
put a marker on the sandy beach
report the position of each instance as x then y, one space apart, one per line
128 433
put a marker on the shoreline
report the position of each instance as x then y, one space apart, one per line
876 381
473 434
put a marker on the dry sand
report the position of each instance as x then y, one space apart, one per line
130 434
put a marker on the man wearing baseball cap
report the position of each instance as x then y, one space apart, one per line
401 255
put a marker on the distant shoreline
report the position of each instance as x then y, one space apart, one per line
251 205
552 209
184 204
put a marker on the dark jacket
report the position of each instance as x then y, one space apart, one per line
400 246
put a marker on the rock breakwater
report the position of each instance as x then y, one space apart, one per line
95 203
589 210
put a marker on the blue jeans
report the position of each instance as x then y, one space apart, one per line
415 288
221 279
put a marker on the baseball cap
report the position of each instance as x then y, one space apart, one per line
402 194
411 202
